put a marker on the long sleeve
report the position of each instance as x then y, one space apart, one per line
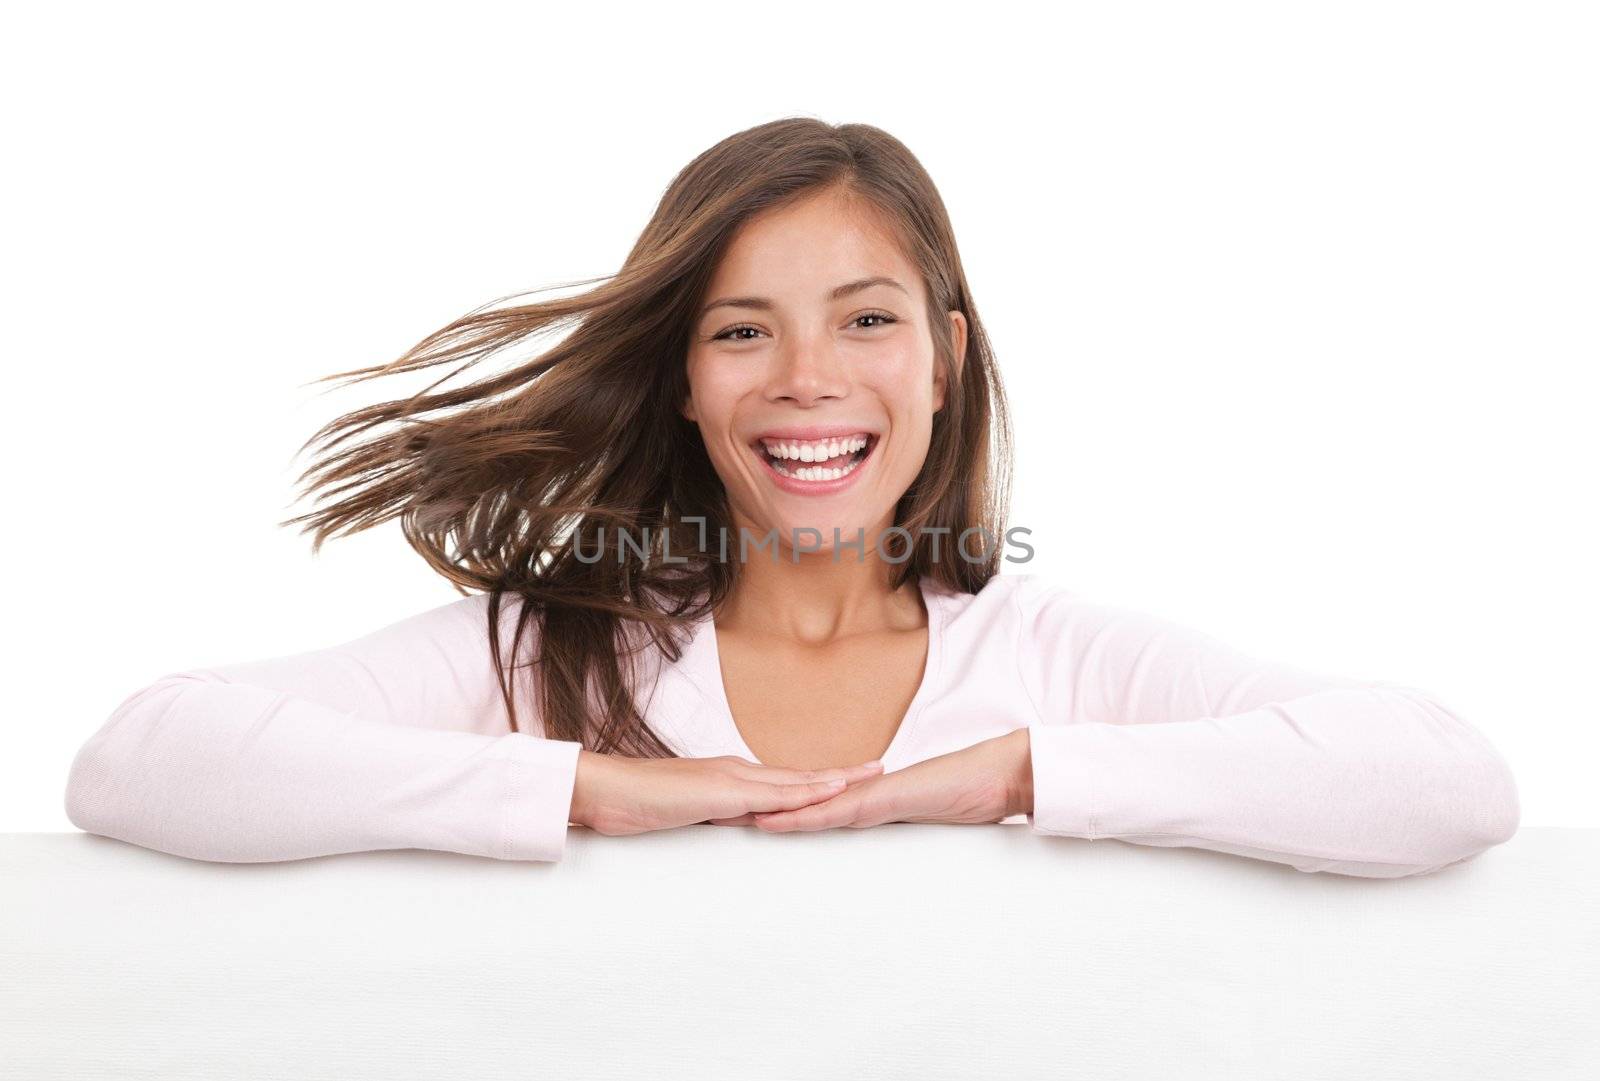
398 739
1156 734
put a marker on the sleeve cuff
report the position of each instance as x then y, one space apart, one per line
1066 795
540 775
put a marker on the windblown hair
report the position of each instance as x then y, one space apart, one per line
496 482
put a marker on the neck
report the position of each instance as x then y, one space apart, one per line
813 598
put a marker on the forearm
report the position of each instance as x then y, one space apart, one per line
1376 781
238 773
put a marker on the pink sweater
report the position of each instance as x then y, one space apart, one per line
1142 730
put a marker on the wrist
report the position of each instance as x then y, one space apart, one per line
586 786
1020 786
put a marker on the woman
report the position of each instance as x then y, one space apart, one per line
739 535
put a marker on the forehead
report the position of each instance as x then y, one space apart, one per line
804 248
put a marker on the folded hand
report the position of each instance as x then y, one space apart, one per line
985 782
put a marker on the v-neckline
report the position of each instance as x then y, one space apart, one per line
716 691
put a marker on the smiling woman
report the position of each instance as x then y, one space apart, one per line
790 349
801 372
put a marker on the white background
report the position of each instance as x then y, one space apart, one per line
1296 306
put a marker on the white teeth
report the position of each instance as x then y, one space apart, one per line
817 451
821 450
816 472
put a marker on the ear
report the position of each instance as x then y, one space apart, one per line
686 407
958 339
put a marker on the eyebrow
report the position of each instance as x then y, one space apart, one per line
838 292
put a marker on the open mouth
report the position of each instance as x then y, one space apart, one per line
816 460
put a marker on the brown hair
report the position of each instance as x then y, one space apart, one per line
494 481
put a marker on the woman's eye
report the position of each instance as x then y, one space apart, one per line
728 335
885 316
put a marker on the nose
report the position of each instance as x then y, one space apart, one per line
805 372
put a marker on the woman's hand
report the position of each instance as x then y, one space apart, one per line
617 795
985 782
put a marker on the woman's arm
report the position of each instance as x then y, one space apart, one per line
398 739
1153 733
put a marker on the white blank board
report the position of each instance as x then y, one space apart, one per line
902 951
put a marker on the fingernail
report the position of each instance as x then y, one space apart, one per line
874 762
837 782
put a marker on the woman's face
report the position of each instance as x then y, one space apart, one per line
812 374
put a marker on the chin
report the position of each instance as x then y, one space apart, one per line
791 529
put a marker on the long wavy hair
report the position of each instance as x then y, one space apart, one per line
497 482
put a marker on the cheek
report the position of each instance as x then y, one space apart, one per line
715 390
903 381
